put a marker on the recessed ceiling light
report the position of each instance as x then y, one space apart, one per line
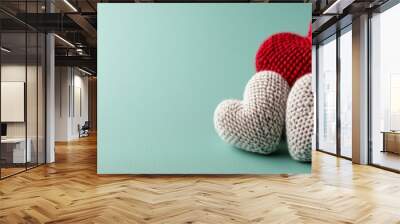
65 41
84 71
70 5
338 6
5 50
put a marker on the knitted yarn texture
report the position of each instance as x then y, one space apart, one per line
300 119
256 123
288 54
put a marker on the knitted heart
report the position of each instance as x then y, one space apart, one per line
287 54
256 123
300 119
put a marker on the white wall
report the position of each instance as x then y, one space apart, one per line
62 82
15 72
79 117
71 102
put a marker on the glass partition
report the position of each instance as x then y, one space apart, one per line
22 100
32 95
385 90
346 92
41 97
14 153
327 96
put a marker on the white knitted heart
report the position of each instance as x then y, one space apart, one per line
256 123
300 119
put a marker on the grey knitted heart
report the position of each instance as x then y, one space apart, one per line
300 119
256 123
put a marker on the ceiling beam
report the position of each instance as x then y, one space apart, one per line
338 6
82 61
84 24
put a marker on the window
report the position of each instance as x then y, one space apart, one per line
327 96
385 89
346 92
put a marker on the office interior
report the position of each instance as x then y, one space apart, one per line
374 69
22 99
45 88
49 54
49 122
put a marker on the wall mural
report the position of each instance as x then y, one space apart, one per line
204 89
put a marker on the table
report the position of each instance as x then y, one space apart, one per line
391 141
17 150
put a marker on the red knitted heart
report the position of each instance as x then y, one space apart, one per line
287 54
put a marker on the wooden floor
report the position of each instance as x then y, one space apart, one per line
387 159
5 172
69 191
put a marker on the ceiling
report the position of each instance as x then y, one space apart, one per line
75 21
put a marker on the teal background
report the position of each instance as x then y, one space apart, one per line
163 69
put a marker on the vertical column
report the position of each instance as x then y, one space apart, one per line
62 103
314 88
50 99
360 90
338 91
50 92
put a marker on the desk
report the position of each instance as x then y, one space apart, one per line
391 141
15 148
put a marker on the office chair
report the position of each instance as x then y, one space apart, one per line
84 130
